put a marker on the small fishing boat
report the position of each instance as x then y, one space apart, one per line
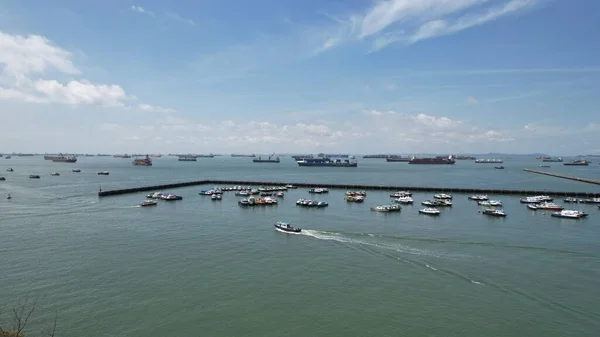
493 203
10 170
569 214
494 212
2 179
243 202
286 227
387 208
76 170
171 197
216 197
148 203
430 211
8 196
499 167
400 194
442 196
103 173
34 176
478 197
355 198
55 174
404 200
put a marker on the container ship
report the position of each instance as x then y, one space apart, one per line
439 160
376 156
61 159
270 159
581 162
243 155
392 159
187 158
327 161
552 160
142 162
488 161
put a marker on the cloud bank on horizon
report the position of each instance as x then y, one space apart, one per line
317 76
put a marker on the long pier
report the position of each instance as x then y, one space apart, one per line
583 180
349 187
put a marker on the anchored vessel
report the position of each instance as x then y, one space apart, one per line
329 161
488 161
61 159
552 160
393 159
142 162
271 159
187 158
581 162
433 161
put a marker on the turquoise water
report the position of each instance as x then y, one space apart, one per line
201 267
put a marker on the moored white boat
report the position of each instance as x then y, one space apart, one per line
171 197
216 197
430 211
404 200
494 212
493 203
442 196
478 197
387 208
569 214
400 194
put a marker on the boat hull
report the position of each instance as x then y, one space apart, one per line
288 230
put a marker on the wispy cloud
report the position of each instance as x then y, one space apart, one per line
471 100
410 21
178 18
172 16
141 10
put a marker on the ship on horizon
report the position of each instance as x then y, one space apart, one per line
439 160
271 159
243 155
350 161
61 158
397 159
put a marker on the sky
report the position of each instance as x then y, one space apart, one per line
303 76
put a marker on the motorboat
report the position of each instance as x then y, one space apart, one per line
493 203
103 173
355 198
286 227
494 212
442 196
290 186
243 202
570 199
437 203
242 193
318 190
155 195
270 201
387 208
400 194
8 196
569 214
34 176
2 179
55 174
535 200
478 197
404 200
76 170
550 206
148 203
216 197
542 165
10 170
311 203
499 167
171 197
207 192
430 211
279 194
356 193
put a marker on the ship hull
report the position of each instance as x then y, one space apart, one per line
397 160
329 164
265 161
64 160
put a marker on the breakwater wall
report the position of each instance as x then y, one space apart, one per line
583 180
348 187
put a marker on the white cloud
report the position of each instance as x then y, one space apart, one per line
141 10
472 100
155 108
178 18
410 21
25 58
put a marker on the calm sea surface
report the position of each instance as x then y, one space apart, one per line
198 267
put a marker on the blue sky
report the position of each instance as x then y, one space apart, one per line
300 76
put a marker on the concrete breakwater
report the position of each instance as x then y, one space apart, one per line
102 193
583 180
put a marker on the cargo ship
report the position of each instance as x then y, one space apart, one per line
270 159
302 156
205 156
122 156
187 158
552 160
63 159
328 161
243 155
392 159
488 161
142 162
581 162
463 157
439 160
376 156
